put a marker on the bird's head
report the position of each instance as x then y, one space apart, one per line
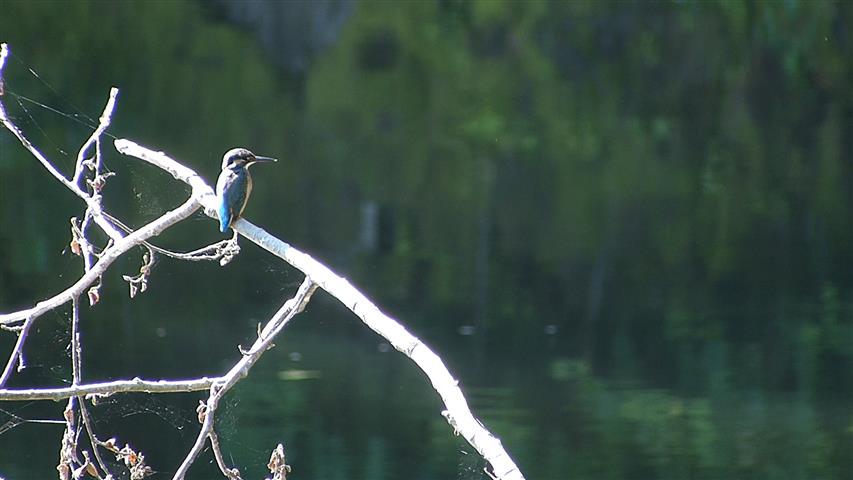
242 158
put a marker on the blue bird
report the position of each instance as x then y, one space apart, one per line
235 184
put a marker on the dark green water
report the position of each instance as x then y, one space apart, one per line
625 226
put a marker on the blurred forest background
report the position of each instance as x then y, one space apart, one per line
626 226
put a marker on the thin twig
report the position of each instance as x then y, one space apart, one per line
103 123
78 238
68 459
211 252
93 439
77 374
230 473
75 341
17 354
68 448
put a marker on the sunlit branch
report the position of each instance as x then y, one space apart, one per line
104 389
457 412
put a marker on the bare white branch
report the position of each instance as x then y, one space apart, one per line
457 412
105 389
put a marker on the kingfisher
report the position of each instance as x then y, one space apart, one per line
235 184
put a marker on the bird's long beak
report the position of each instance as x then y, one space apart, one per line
264 159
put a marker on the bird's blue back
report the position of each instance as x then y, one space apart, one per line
232 190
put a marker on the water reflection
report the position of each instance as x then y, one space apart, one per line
374 416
